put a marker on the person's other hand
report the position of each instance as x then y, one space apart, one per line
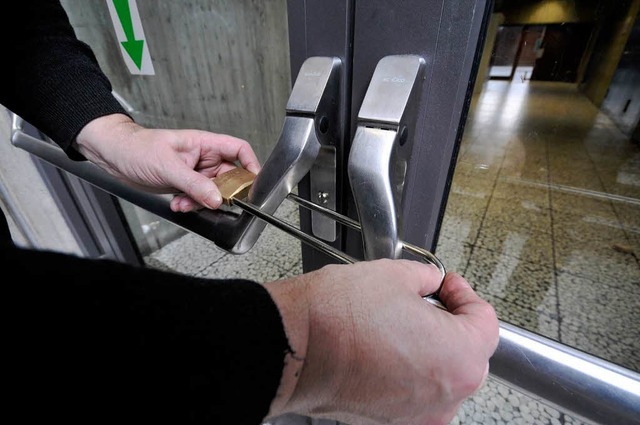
368 349
181 162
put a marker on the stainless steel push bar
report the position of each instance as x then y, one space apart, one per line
377 160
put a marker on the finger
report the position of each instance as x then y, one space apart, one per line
233 149
458 295
198 187
482 381
226 166
485 375
183 203
462 300
422 278
447 417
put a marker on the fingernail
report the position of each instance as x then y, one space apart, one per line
215 200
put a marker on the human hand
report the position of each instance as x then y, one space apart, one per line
165 161
368 349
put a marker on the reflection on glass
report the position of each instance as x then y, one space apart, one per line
544 211
504 57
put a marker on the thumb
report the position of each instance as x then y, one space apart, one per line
462 301
198 187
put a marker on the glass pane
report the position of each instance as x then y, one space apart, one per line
505 50
544 211
220 65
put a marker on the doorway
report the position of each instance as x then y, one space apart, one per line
560 52
551 52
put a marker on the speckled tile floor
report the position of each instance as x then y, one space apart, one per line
550 191
543 219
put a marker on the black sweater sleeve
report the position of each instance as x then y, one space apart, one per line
50 78
96 340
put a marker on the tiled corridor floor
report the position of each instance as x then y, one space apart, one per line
543 219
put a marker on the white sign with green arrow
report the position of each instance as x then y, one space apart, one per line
133 44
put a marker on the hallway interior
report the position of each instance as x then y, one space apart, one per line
543 218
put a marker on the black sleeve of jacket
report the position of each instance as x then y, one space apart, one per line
49 77
95 341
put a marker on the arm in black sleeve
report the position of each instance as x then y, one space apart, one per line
51 79
99 340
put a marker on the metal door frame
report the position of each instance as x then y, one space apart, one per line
318 28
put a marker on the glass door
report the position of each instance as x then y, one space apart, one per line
541 217
491 167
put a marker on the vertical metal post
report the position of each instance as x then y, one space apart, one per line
449 36
324 28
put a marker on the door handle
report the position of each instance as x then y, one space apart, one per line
309 128
378 157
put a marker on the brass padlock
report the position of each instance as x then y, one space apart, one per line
234 184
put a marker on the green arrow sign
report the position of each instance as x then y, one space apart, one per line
133 47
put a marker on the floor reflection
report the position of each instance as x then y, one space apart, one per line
544 217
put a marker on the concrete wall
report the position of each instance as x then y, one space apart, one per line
495 21
547 11
604 71
622 102
615 24
220 65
